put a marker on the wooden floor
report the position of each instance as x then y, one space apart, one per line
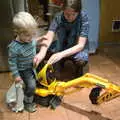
76 106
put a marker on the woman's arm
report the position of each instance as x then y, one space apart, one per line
45 42
77 48
68 52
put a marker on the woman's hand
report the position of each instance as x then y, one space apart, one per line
55 58
37 59
41 38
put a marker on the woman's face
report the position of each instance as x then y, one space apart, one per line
70 14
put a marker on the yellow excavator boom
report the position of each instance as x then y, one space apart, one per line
88 80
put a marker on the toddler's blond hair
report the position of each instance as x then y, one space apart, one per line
24 22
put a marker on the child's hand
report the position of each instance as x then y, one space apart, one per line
18 79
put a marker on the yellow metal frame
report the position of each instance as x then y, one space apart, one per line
88 80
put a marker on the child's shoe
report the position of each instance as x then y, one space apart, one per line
30 107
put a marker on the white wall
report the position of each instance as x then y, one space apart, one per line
93 8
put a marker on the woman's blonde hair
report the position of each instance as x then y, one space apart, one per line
24 22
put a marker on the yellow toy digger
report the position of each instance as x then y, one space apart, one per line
53 87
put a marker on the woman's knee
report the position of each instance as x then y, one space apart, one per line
82 67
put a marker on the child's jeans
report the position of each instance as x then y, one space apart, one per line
30 84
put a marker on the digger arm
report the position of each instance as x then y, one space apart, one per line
88 80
